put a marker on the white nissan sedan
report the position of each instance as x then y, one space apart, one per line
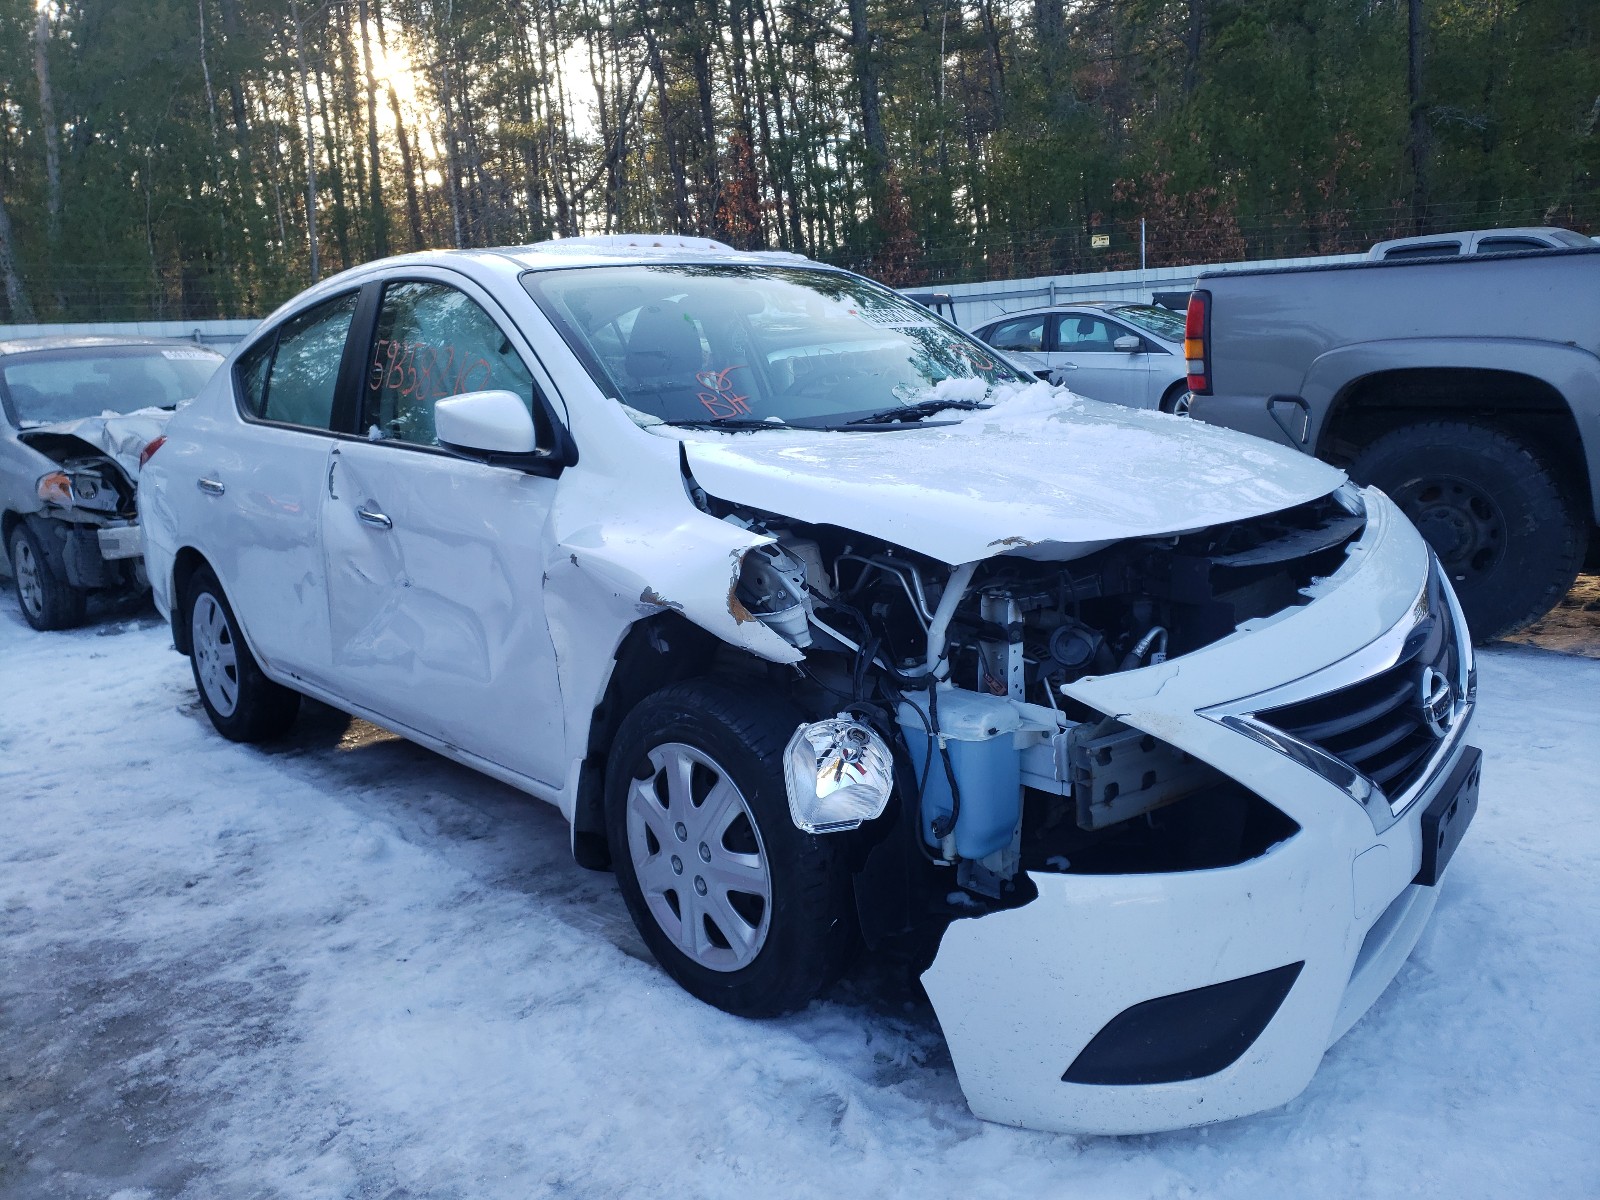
824 627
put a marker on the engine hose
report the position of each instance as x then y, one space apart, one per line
945 825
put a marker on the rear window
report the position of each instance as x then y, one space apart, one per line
48 386
1431 250
1162 322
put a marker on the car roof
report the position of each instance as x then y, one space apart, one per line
1105 306
1542 232
615 249
92 341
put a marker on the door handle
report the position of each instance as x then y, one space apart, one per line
210 487
373 517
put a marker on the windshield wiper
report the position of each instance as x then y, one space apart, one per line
915 412
729 423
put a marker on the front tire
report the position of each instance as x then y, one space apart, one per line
739 906
47 600
1493 511
243 704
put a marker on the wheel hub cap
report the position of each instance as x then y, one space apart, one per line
216 660
29 586
715 910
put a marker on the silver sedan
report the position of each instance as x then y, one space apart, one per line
1125 353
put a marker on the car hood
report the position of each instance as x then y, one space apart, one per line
1044 474
120 436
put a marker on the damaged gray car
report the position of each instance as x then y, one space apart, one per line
78 418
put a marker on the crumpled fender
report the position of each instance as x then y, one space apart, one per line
121 437
602 576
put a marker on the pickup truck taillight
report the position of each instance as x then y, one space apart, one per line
150 448
1197 342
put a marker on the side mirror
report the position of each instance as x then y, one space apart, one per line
495 427
1128 344
494 422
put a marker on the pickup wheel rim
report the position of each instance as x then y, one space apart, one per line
697 855
216 656
1460 520
30 587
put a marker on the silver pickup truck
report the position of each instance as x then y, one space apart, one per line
1466 388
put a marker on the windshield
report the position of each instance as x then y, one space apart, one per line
1162 322
734 345
48 386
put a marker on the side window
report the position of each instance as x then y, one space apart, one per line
1431 250
1086 335
293 378
1025 334
432 342
252 375
1505 245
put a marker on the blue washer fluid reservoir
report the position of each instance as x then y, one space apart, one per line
978 733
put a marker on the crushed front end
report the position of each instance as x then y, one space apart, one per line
1168 813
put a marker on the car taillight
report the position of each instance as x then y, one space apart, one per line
150 448
1196 342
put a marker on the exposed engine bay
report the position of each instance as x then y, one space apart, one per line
967 673
88 479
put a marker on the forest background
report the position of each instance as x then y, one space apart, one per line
208 158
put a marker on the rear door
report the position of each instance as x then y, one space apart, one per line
435 564
262 479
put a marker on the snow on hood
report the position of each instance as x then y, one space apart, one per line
1044 474
120 435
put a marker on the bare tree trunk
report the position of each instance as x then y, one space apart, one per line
380 219
311 139
16 295
1193 38
870 96
1419 119
407 165
47 118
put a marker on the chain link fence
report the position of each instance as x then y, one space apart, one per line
97 292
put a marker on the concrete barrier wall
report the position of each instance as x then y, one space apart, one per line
976 303
218 334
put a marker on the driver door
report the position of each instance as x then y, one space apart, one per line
1085 358
435 564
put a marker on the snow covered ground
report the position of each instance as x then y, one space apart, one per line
346 967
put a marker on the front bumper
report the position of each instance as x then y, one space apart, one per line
1022 992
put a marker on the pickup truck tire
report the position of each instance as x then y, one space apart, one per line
1493 511
47 600
243 704
739 906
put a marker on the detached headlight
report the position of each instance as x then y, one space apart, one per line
82 488
56 488
838 773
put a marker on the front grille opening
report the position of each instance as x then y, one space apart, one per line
1378 725
1221 826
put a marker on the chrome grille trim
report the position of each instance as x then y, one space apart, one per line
1250 715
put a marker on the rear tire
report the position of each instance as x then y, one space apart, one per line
1493 511
47 600
241 701
739 906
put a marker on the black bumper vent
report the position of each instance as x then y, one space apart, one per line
1187 1035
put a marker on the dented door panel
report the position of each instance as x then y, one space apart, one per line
436 600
